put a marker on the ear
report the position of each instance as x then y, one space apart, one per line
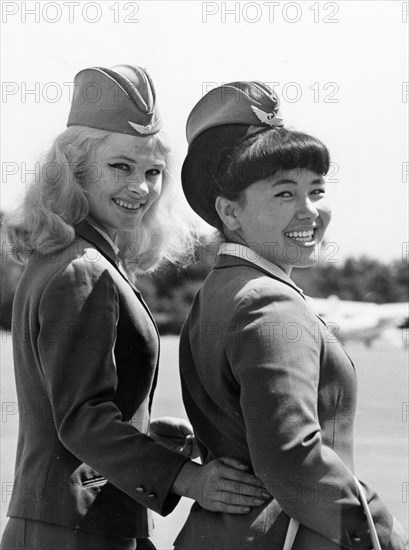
226 209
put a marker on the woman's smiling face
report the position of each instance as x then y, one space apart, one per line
123 180
284 217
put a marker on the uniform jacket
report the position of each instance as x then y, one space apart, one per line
265 381
86 355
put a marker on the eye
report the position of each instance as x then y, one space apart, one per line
120 166
154 172
319 191
284 194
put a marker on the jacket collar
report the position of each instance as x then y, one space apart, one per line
234 254
106 237
89 233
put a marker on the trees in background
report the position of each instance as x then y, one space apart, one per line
170 292
361 279
10 273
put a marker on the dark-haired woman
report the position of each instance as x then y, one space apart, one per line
261 379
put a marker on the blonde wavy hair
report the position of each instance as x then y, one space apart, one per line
55 202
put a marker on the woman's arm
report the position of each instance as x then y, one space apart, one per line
78 316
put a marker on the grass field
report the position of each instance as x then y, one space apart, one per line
381 432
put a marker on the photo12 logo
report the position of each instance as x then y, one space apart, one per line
70 12
289 92
405 12
271 12
52 92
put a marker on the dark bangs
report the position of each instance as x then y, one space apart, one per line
262 154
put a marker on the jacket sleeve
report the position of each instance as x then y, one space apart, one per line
78 315
277 366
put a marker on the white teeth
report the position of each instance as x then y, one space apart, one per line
127 205
308 233
301 236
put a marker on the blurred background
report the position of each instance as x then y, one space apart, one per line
341 70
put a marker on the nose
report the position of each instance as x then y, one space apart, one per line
307 209
137 185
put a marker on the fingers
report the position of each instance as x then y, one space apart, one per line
236 493
234 470
193 447
187 447
241 477
223 485
233 462
231 498
245 490
241 499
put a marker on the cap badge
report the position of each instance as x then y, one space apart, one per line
143 129
270 119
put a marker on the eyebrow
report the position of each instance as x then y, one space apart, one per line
134 161
293 182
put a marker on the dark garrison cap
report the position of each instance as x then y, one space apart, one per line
241 102
250 103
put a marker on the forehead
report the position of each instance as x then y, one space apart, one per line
134 147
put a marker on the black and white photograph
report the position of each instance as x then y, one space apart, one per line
204 306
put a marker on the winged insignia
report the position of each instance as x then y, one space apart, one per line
270 119
143 129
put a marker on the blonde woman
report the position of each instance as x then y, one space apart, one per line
86 347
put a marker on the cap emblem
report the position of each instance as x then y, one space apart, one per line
143 129
270 119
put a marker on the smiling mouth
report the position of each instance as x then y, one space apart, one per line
302 237
128 205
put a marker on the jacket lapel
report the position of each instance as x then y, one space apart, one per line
226 261
90 234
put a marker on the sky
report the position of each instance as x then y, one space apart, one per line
340 69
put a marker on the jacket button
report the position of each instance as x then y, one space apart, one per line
151 496
140 490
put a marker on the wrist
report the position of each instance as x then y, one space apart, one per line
185 482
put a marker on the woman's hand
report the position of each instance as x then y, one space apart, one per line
176 434
222 485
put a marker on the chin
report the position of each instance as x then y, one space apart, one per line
308 261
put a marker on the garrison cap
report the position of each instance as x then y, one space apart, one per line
121 99
242 102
